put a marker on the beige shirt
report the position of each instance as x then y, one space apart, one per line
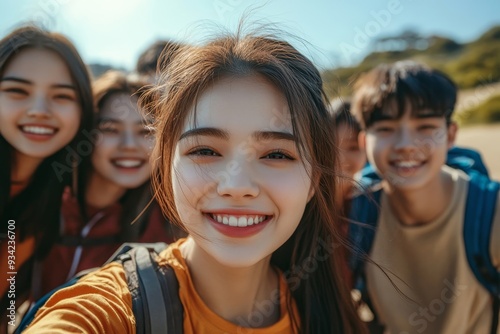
439 293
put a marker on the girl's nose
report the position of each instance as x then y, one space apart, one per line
237 182
128 140
39 108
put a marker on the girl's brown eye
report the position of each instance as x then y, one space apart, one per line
203 152
16 92
66 97
107 128
278 155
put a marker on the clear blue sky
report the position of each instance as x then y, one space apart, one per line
116 31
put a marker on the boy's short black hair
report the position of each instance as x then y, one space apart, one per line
147 63
340 112
385 92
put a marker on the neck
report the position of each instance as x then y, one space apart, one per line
101 193
234 293
23 169
421 206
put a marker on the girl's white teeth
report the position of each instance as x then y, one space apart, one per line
128 163
240 221
38 130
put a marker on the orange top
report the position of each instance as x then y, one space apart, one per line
101 303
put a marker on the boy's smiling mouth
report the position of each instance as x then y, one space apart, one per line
406 167
407 163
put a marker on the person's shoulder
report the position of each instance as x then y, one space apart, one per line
110 274
99 302
457 175
172 255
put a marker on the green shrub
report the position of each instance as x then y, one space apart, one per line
486 112
469 65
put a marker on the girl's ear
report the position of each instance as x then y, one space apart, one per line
362 140
452 134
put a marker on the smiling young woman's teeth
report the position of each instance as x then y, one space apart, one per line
128 163
38 130
239 221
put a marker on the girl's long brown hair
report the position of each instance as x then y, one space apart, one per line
309 259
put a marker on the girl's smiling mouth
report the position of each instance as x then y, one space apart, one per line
238 225
38 132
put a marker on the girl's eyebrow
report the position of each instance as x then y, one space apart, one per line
273 135
24 81
221 134
108 120
16 79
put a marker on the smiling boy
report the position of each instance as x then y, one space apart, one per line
405 111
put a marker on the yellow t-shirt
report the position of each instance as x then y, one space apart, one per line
101 303
439 292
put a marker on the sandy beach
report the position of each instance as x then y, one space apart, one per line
485 139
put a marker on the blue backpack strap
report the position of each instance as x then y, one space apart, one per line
363 223
466 159
478 223
479 213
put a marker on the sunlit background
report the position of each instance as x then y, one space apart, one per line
343 38
114 32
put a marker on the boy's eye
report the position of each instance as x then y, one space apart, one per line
427 127
278 155
384 129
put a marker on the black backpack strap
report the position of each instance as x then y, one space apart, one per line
152 298
175 310
479 213
154 290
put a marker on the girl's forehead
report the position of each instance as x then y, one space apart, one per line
121 107
241 104
38 65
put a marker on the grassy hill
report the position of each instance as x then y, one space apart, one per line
470 64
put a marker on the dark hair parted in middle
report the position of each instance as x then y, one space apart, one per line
148 61
388 90
341 114
323 302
